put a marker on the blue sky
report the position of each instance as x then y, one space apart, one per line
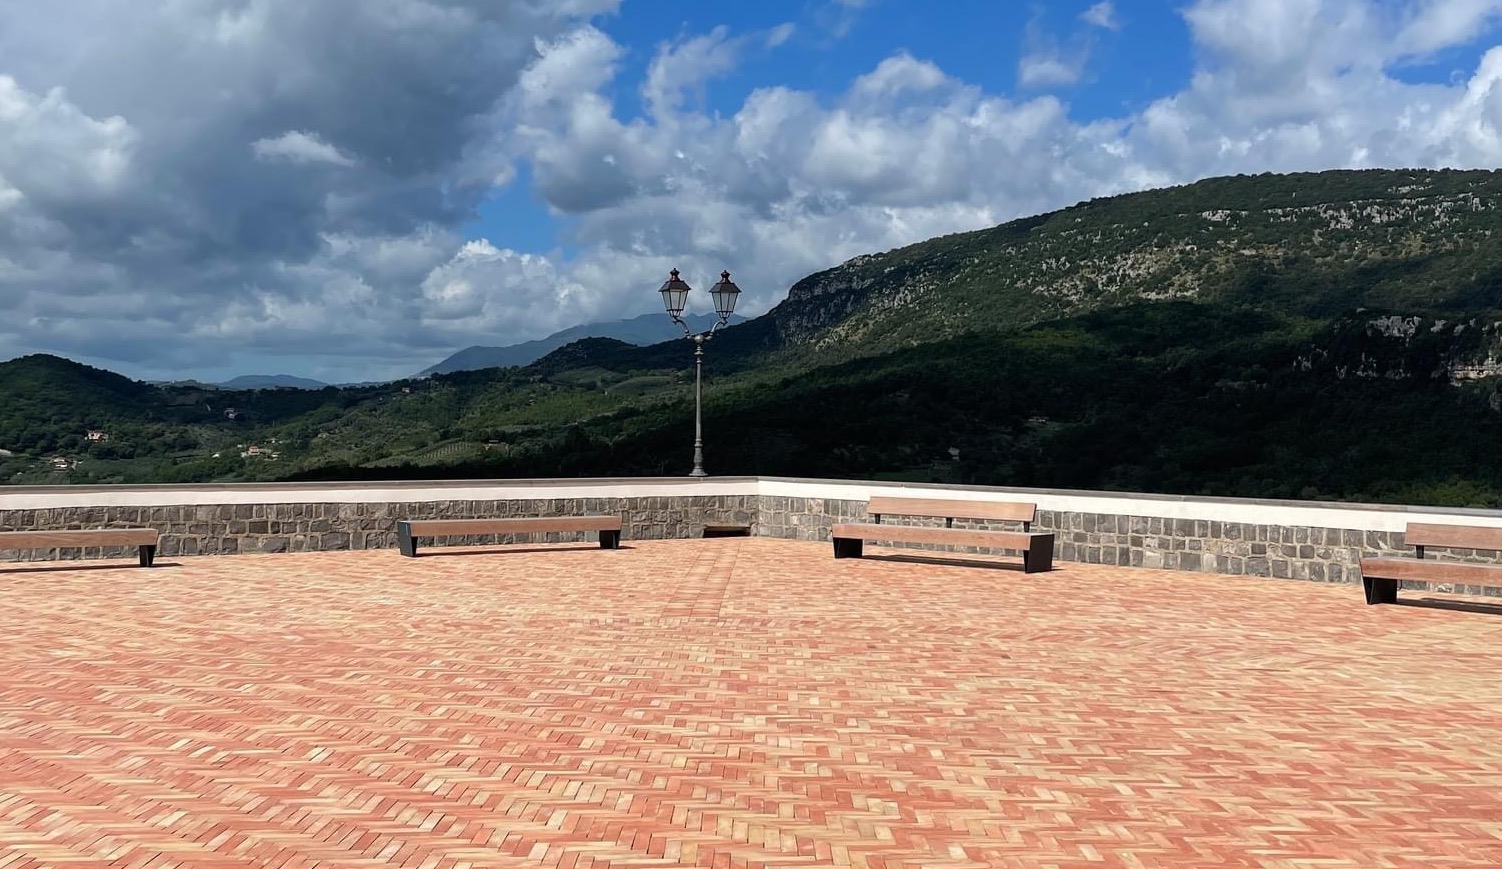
352 191
977 41
981 42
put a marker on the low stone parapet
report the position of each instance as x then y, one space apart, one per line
1316 541
269 518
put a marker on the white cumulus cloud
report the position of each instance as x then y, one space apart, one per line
1102 14
296 146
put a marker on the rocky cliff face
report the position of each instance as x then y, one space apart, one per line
822 301
1325 242
1396 347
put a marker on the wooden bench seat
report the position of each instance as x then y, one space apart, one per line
145 539
1380 576
408 531
1036 546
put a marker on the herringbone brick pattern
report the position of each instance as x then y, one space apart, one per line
734 703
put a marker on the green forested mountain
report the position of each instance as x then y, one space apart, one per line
1328 335
1307 245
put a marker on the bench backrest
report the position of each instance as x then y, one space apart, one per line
944 508
1420 535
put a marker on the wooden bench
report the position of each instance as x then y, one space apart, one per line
144 538
407 531
1380 576
1036 546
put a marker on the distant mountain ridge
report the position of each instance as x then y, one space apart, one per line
643 330
271 381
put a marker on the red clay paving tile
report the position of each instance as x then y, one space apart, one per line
734 703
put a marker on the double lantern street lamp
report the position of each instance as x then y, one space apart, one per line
674 298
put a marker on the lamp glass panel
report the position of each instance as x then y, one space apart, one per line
725 293
674 299
674 293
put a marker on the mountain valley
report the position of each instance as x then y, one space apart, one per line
1332 335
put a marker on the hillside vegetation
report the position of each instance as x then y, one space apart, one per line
1330 335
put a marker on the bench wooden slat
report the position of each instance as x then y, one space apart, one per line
145 539
80 537
1453 536
982 537
408 531
940 508
511 525
1432 570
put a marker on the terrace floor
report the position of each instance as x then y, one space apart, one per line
734 703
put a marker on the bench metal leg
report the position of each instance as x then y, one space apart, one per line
1038 557
1380 590
848 547
610 540
148 554
404 540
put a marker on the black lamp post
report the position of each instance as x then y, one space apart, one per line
674 298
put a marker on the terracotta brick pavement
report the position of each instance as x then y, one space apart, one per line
734 703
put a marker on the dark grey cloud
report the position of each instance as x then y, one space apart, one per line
204 153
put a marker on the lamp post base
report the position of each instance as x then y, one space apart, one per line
698 472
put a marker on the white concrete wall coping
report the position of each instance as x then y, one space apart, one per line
195 494
1368 517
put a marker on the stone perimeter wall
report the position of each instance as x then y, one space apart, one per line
1234 548
219 529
